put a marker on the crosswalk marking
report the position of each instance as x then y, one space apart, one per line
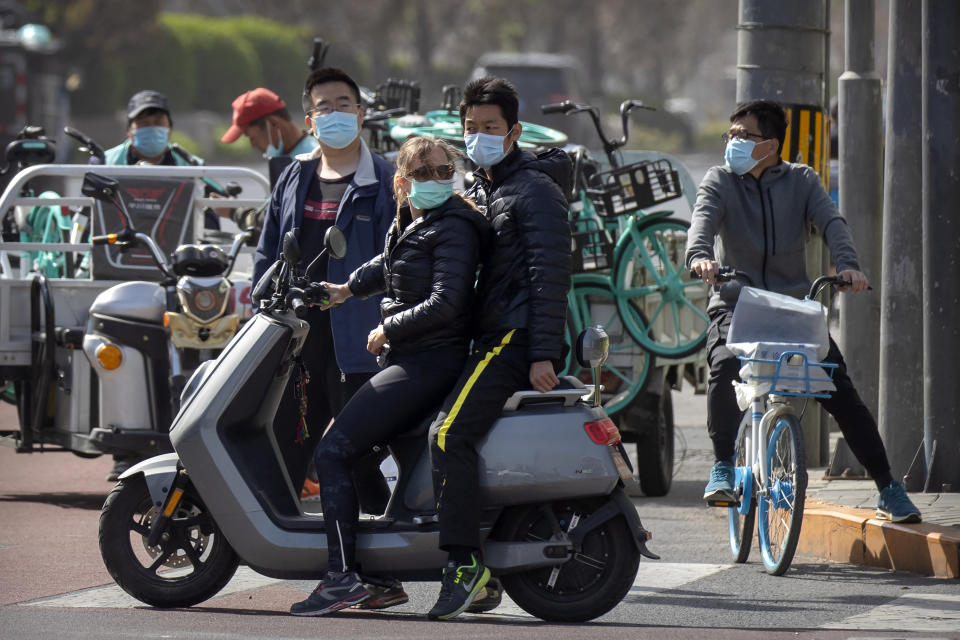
909 612
113 597
652 577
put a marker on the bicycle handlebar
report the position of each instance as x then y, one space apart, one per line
609 146
557 107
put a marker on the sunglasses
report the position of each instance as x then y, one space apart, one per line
426 172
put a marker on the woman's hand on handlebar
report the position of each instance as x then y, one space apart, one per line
858 281
376 339
706 270
336 294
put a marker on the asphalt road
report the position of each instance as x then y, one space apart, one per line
53 584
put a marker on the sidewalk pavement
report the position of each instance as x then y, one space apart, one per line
839 524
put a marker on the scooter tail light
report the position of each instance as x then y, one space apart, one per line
603 431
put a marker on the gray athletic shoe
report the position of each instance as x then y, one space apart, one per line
336 591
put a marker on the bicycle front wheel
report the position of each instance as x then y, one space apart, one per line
742 518
781 505
651 277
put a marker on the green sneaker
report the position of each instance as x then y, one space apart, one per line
459 587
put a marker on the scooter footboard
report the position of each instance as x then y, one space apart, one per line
543 453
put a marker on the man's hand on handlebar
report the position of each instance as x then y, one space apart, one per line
706 270
858 281
336 294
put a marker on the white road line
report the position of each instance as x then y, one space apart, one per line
909 612
652 577
113 597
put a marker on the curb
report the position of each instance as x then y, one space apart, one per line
855 536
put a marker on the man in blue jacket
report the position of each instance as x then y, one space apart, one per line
341 182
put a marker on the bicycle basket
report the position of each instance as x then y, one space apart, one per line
786 369
592 247
635 186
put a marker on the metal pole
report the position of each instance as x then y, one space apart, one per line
901 297
861 180
782 55
941 242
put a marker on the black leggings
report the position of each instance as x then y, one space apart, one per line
723 415
393 401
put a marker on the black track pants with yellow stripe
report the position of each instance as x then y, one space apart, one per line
496 369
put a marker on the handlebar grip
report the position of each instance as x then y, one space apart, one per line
299 307
101 240
556 107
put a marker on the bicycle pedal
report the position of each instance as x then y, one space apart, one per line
726 504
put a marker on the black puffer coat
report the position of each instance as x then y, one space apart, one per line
525 278
426 276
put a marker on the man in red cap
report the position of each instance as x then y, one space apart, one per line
262 116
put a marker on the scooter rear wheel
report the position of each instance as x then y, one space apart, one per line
590 583
191 565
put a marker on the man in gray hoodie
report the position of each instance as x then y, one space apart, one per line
754 214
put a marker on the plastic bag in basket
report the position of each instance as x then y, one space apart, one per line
764 316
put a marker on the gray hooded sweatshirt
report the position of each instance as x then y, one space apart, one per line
761 226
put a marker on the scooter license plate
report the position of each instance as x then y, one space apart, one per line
621 463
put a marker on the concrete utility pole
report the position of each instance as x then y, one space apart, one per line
782 55
861 179
901 287
941 242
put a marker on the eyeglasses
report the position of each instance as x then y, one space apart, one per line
426 172
742 135
324 108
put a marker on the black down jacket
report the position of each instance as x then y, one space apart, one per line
426 276
525 277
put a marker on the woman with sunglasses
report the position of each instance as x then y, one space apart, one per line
426 276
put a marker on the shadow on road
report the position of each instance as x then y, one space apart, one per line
64 500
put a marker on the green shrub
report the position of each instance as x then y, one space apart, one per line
221 60
281 52
167 65
236 151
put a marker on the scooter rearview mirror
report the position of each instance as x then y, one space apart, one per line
593 345
335 242
263 285
291 248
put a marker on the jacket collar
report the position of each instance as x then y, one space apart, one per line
365 174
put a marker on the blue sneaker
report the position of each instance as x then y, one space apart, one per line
720 487
895 506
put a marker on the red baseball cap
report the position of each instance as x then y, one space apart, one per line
250 106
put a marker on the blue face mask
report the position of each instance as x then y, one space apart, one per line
150 142
429 194
336 129
273 151
485 149
739 155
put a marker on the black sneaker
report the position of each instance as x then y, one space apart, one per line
459 588
385 595
488 599
336 591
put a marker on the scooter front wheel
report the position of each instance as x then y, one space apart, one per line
190 564
590 583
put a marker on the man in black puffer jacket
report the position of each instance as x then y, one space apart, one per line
519 324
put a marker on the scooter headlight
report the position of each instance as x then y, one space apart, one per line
109 356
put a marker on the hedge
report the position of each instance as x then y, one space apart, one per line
203 63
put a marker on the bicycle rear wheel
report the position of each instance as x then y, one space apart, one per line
781 505
742 518
625 373
650 276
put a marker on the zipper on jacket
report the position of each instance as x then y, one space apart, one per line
773 223
343 376
763 210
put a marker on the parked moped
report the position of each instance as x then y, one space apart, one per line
557 527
